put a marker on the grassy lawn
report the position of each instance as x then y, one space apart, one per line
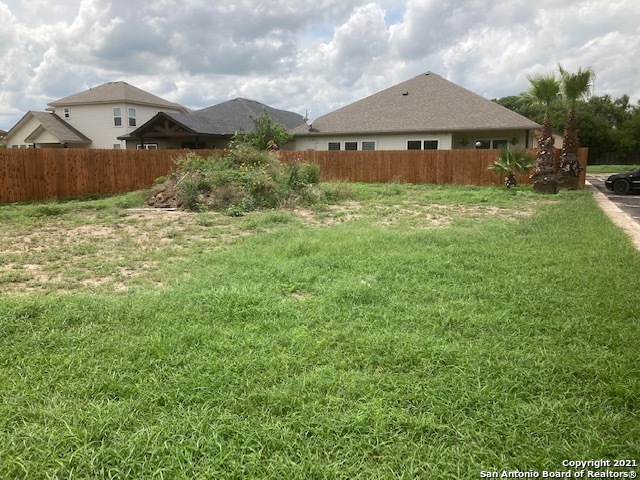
402 332
611 168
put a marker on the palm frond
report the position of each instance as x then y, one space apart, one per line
544 91
576 85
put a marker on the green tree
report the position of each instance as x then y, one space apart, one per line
266 134
575 86
628 135
545 92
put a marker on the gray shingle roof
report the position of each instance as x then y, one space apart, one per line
116 92
233 115
58 128
427 102
225 118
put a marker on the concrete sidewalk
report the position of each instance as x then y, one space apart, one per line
620 218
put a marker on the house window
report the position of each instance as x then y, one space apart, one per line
147 146
334 145
351 145
422 145
117 117
67 112
117 146
368 145
132 117
483 144
497 144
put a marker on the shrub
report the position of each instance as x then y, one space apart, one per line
241 180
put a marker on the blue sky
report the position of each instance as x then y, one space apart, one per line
306 56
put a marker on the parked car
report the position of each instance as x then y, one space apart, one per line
625 182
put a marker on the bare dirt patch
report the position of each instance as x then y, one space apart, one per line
58 254
91 250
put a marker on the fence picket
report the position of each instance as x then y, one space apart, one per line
38 174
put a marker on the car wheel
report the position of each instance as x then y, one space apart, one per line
621 187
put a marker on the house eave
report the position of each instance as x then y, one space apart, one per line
312 133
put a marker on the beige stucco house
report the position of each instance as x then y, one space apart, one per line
94 118
425 112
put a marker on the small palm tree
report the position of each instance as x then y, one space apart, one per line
511 161
545 91
575 86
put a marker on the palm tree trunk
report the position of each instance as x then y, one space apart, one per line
544 174
570 166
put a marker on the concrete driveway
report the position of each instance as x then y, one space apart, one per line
630 204
624 210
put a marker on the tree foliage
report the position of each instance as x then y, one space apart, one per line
607 124
266 134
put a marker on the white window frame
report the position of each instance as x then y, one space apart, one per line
66 112
147 146
117 117
351 144
371 143
131 116
329 144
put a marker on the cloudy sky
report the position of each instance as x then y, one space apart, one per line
306 56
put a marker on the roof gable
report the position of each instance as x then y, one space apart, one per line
60 129
53 124
426 102
116 92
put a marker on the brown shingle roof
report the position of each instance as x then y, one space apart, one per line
116 92
427 102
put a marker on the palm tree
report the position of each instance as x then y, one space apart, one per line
544 91
510 161
575 86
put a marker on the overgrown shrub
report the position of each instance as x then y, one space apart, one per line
243 179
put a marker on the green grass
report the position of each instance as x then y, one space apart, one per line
611 168
411 332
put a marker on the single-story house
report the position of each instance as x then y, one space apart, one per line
210 127
94 118
423 113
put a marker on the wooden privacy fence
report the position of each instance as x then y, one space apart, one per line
461 167
36 174
47 173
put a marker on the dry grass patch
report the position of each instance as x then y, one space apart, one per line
129 248
122 248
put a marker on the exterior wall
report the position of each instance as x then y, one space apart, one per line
17 138
45 137
382 141
446 140
96 121
468 140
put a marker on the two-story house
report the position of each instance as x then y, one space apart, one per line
94 118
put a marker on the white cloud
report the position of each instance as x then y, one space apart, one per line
316 56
